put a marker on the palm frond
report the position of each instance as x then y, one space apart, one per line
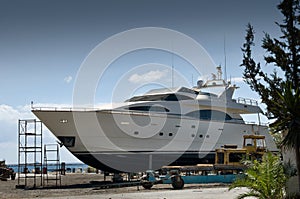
264 179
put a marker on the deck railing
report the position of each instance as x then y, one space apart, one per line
255 123
63 109
247 101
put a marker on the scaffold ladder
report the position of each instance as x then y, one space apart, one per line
52 168
30 153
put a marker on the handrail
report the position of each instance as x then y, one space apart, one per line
247 101
91 109
121 112
255 123
63 109
70 109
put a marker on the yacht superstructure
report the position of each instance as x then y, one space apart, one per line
178 126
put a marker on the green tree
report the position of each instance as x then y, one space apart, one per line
279 92
265 180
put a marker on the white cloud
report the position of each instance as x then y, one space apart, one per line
68 79
9 117
147 77
8 151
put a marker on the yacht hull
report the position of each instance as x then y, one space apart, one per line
126 141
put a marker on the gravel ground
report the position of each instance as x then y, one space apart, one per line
79 186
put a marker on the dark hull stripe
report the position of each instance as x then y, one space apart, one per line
94 160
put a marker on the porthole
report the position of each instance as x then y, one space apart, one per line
207 136
193 135
193 126
161 133
200 136
136 132
170 134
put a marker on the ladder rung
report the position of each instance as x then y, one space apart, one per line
28 151
30 146
30 164
31 176
52 179
30 133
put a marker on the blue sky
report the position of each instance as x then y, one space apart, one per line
43 44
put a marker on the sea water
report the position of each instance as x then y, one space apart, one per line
70 167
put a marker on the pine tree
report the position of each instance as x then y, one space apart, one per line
281 94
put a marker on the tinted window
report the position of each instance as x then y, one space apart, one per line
209 115
164 97
149 108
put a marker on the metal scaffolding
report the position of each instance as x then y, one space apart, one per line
30 154
52 159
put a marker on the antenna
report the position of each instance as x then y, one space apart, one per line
172 72
192 80
225 70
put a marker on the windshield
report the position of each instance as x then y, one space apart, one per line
162 97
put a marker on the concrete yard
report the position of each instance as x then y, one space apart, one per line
188 193
79 186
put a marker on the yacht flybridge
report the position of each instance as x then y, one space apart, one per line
170 126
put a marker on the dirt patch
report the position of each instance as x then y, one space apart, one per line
77 185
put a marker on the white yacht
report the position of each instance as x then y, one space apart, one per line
178 126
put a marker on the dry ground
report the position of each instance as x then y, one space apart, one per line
79 186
